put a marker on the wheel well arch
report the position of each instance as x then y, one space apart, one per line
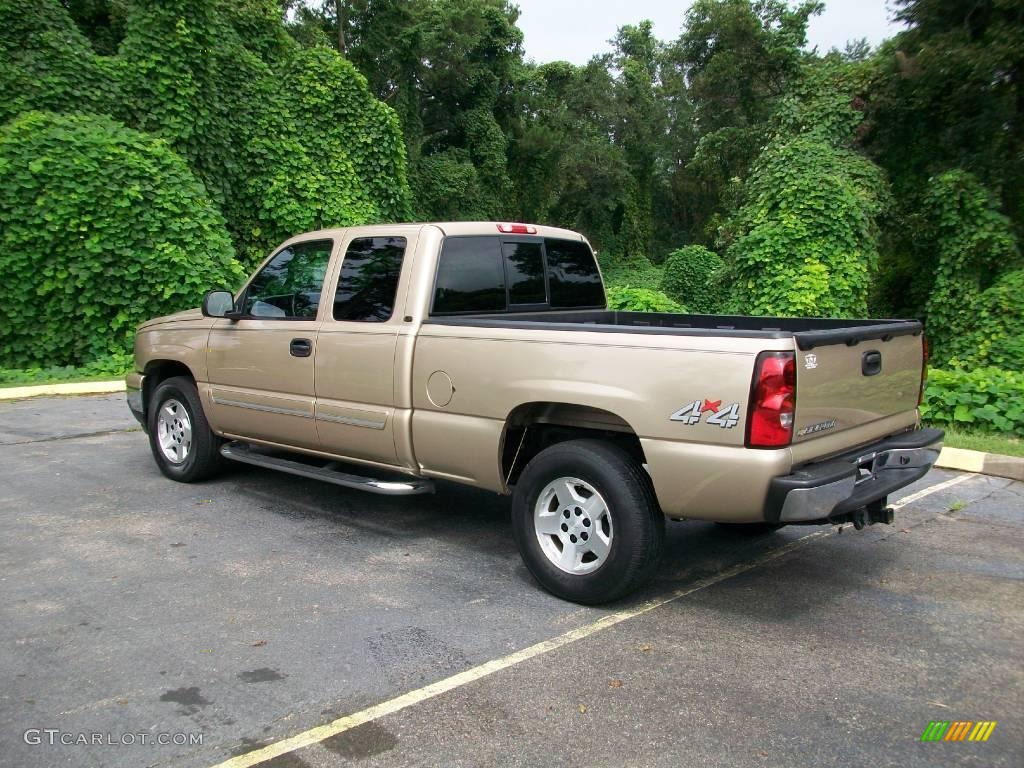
532 427
157 372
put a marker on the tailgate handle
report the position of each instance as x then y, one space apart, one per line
871 363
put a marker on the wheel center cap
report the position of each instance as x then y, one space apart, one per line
576 524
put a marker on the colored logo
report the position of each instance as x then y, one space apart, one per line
958 730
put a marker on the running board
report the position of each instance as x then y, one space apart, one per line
328 473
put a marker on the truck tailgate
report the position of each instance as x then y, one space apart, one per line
847 382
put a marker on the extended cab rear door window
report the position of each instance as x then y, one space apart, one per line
369 279
289 285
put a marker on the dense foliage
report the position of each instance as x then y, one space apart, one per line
694 275
269 138
970 313
641 300
886 181
806 234
102 227
990 399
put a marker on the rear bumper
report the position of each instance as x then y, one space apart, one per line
134 382
834 488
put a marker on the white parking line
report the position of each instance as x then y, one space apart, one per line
930 490
348 722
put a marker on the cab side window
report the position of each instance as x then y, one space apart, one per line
289 286
368 283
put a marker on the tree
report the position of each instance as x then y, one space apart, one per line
738 58
448 68
948 94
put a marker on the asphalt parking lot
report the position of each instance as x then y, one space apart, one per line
258 606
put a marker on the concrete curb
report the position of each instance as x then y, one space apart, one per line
78 388
994 464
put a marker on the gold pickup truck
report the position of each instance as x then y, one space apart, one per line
385 357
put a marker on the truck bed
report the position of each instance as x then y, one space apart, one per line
808 332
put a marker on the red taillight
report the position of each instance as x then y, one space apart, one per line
772 401
517 229
924 369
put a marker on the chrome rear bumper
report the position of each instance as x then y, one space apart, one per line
828 490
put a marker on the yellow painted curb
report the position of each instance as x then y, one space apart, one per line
962 459
78 388
994 464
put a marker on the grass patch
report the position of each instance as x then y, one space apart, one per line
987 443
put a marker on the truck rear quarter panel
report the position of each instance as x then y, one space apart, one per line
643 380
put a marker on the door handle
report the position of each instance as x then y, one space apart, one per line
301 348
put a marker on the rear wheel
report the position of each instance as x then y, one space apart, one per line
586 521
183 445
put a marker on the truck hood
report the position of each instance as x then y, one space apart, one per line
188 314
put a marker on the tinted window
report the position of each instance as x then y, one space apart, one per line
290 284
369 279
573 277
524 269
470 277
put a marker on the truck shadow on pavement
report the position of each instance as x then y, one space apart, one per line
478 523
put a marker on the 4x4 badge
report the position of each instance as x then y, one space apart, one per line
810 362
726 417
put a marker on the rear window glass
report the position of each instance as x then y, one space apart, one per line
524 269
573 278
470 277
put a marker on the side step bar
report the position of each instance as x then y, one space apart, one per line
328 472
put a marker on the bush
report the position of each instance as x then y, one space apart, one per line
806 239
974 243
634 272
642 300
990 399
692 275
997 336
101 227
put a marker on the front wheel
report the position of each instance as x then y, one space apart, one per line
183 445
586 521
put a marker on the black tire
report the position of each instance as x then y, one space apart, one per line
636 519
203 459
751 529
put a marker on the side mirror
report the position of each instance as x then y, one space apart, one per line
218 304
